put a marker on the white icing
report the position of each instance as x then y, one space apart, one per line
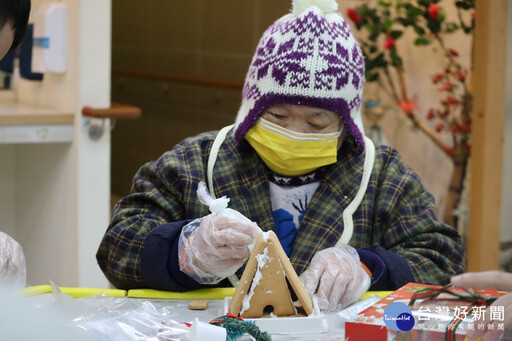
262 259
272 315
316 309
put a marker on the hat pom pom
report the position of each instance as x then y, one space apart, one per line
327 6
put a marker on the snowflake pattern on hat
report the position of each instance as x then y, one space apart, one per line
311 59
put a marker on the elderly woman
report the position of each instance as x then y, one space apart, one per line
349 215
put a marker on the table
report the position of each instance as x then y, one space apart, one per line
180 312
113 314
116 318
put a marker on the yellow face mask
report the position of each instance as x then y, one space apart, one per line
289 153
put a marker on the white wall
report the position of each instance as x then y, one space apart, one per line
94 156
45 212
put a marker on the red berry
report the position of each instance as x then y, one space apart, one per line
353 15
433 11
389 43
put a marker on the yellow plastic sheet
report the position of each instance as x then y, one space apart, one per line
213 293
35 290
73 292
381 294
84 292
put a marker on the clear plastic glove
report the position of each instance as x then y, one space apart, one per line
217 245
13 268
337 278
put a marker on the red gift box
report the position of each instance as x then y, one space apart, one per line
441 316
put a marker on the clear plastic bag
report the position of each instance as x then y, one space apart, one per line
13 267
125 319
106 318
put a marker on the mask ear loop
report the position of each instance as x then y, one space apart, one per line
348 223
212 158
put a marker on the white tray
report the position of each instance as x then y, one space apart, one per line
313 324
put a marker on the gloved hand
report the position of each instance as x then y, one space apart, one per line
337 278
217 245
13 268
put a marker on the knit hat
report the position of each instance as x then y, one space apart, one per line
308 57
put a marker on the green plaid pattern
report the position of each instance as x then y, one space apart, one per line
396 212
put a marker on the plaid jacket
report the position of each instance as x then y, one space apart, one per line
396 213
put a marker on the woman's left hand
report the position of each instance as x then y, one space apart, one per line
336 277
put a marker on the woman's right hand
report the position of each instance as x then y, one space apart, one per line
218 247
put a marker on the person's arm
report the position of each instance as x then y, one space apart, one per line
144 226
498 280
155 239
159 260
139 248
412 244
388 270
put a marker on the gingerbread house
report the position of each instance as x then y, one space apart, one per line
269 284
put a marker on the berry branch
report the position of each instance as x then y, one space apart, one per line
382 23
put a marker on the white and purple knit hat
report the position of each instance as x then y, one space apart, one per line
308 57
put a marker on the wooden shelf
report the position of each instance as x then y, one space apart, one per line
15 113
27 123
